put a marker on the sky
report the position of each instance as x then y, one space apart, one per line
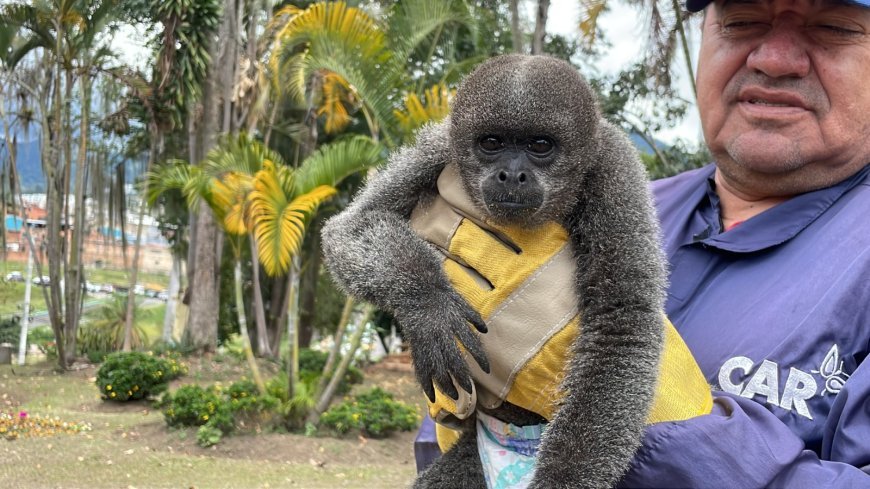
623 27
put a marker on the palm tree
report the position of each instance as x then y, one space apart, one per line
254 193
666 32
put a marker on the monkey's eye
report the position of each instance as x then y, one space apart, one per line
540 146
491 144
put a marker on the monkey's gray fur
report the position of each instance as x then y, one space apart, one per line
595 186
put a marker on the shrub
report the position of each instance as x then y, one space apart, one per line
311 363
373 412
217 410
105 332
133 375
43 338
192 405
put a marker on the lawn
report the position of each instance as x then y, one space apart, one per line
129 445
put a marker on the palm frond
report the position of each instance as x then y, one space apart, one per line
413 22
179 175
590 11
331 163
278 222
434 107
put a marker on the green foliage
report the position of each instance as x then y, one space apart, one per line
373 412
43 338
192 405
136 375
218 410
677 158
311 363
10 330
105 333
207 435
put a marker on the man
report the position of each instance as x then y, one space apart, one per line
770 253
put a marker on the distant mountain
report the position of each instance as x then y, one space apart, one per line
29 165
643 146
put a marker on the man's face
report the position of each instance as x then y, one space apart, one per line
784 93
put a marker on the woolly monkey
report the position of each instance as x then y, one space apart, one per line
530 149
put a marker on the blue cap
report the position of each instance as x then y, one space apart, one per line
699 5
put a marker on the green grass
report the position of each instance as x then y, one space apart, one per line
129 444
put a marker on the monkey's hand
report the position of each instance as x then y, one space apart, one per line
441 320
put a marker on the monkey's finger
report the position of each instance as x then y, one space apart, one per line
472 316
426 383
445 385
474 347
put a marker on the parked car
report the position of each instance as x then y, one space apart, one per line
14 277
107 288
44 280
163 296
92 288
139 289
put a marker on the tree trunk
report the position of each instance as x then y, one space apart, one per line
340 328
293 327
203 286
516 31
263 349
540 27
308 283
323 403
75 268
243 328
130 318
201 332
172 299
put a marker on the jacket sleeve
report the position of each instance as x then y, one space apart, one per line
743 445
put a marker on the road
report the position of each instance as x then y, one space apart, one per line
40 318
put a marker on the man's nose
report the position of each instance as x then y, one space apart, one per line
781 52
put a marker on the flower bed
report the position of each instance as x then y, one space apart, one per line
23 425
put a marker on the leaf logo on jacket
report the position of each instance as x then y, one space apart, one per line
739 375
832 371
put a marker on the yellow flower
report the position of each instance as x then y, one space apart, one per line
205 417
112 395
109 387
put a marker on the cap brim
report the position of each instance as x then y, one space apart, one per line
699 5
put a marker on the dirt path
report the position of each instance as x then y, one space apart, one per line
129 445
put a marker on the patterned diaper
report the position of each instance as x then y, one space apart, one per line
507 452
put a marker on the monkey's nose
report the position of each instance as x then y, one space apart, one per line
512 177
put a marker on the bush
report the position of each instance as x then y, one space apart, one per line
10 330
311 363
43 338
217 410
373 412
192 405
105 332
134 375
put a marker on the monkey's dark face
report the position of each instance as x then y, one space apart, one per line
511 181
522 129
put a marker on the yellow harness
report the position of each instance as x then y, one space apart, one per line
521 281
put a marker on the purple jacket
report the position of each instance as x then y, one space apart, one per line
777 313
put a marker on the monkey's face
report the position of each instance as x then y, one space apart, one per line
512 182
521 130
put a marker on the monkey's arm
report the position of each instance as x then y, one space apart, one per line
620 281
374 254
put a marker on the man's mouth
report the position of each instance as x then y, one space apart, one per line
756 101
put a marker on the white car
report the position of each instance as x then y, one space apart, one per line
43 280
14 277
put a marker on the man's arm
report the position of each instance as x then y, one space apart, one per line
743 445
